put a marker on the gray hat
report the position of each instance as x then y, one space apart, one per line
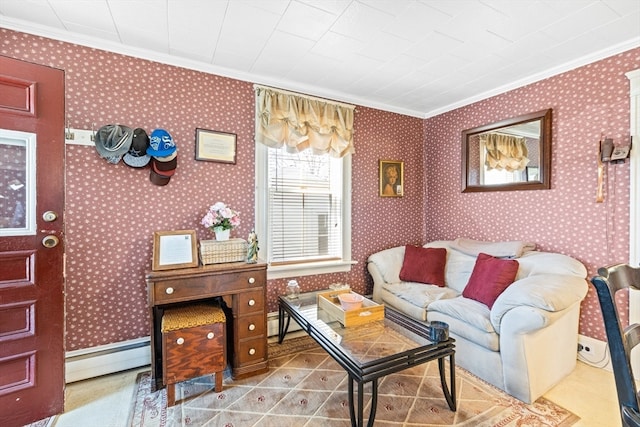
113 141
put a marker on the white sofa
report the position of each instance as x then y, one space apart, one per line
526 343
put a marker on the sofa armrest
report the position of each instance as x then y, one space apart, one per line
389 263
378 281
547 292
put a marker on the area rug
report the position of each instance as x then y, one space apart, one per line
46 422
306 387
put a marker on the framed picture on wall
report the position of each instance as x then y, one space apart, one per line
391 178
174 249
215 146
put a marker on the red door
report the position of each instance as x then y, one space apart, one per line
31 247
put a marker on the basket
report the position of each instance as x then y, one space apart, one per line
215 251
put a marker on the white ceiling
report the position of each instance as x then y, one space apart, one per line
414 57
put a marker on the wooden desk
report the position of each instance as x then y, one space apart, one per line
241 286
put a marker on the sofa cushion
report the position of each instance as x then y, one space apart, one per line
535 263
466 318
490 277
402 305
424 265
458 267
511 249
419 294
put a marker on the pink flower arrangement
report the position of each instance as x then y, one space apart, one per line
220 216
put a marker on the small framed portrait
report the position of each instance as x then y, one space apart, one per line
215 146
391 178
174 249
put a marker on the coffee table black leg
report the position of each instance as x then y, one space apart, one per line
374 403
450 396
282 326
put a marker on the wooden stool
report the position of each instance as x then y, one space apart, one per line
193 345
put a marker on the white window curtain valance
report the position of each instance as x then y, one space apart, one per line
505 152
301 122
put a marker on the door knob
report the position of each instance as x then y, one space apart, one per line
49 216
50 241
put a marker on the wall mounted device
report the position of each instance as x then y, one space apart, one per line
609 152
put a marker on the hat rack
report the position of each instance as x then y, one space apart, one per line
79 136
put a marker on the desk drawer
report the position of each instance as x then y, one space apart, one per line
250 326
249 302
176 290
252 351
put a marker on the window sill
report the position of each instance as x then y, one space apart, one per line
297 270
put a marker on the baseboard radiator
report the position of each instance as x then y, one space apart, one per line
110 358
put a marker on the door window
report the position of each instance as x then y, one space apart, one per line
17 183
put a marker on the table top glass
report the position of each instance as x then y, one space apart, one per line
364 344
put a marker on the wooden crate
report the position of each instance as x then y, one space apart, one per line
369 312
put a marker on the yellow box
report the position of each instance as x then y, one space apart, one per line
369 312
215 251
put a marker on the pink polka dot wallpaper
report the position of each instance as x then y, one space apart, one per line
588 103
113 210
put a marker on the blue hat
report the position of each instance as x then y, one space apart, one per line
161 144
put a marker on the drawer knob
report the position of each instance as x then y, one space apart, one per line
252 302
252 280
252 351
210 335
169 291
252 327
180 341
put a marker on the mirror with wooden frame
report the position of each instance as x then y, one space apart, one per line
513 154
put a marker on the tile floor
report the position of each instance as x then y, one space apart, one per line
105 401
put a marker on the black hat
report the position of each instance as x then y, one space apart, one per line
137 156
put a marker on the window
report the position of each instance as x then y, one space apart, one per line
303 207
303 176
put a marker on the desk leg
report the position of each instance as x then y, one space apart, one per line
360 403
157 380
282 326
450 396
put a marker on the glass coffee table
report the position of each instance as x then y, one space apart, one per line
371 350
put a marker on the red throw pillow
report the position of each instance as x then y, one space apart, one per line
424 265
490 277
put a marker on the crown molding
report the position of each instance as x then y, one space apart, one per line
165 58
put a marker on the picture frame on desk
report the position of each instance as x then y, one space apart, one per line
174 249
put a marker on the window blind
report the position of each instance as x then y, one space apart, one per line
305 206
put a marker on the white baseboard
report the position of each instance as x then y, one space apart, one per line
272 325
107 359
110 358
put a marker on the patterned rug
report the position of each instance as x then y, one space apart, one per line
46 422
306 387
